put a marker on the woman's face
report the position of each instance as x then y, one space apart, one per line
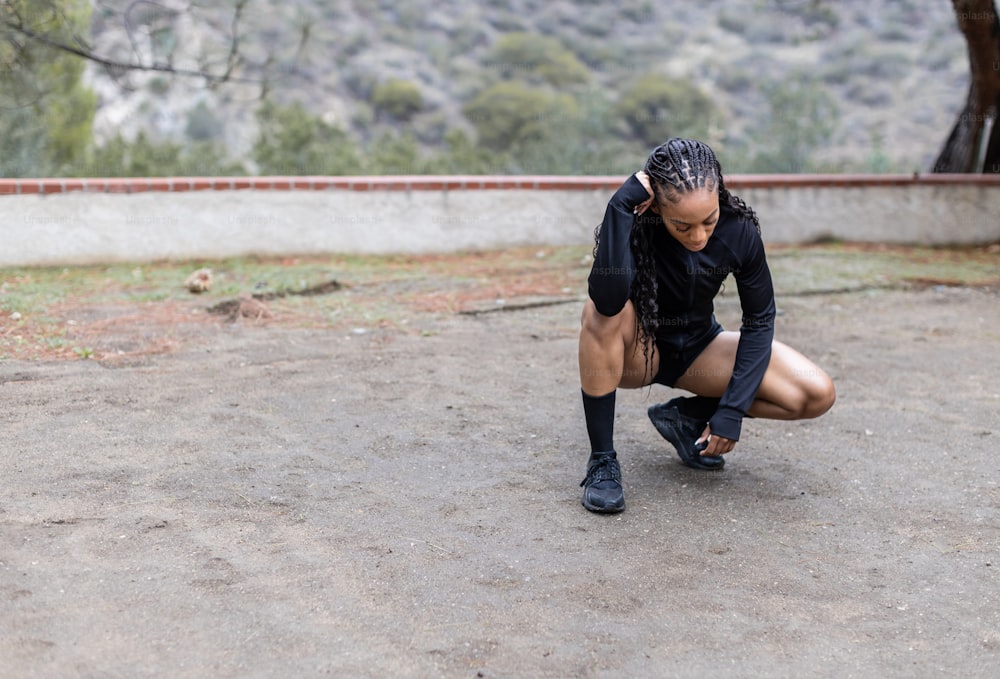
692 219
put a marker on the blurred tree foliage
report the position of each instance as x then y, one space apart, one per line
463 156
142 157
529 56
531 107
401 99
292 141
202 125
803 116
570 104
395 153
46 114
512 113
656 107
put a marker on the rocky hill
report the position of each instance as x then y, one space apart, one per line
895 70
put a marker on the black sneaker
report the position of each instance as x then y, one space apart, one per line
602 489
683 431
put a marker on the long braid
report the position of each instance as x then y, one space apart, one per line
736 203
674 168
644 285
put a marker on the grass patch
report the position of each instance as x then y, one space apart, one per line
123 311
102 312
847 266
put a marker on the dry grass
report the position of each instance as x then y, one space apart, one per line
122 313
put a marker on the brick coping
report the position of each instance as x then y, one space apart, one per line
464 183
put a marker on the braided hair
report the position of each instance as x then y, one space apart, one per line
674 168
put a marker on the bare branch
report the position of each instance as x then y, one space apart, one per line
114 66
234 46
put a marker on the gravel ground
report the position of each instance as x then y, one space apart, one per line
272 501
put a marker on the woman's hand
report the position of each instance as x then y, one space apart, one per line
717 445
644 180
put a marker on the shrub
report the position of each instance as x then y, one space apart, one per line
736 80
510 113
463 156
392 153
293 141
159 85
202 124
528 55
401 99
734 23
803 117
656 107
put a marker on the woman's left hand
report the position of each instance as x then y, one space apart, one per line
717 445
644 205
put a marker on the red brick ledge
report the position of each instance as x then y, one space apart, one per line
462 183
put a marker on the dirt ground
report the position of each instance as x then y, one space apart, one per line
267 499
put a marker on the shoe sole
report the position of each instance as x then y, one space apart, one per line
603 510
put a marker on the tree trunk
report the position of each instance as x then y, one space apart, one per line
977 19
991 163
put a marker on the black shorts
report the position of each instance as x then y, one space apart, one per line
678 352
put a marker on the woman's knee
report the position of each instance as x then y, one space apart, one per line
820 395
803 389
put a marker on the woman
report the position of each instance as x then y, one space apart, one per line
670 236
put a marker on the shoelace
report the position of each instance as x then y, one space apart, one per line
606 469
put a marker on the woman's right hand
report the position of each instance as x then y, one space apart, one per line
644 180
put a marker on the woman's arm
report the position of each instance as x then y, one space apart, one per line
611 276
753 280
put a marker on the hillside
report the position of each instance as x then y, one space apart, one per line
895 71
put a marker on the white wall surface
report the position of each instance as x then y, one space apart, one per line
92 227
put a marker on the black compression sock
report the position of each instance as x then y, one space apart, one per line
599 412
699 408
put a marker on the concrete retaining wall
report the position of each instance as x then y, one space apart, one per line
56 222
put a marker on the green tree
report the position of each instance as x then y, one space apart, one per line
46 115
142 157
512 114
401 99
202 125
657 107
394 153
527 55
293 141
208 159
119 157
149 27
803 116
463 156
585 143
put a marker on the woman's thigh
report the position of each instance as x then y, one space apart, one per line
792 382
642 361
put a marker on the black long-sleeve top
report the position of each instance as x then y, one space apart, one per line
687 283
